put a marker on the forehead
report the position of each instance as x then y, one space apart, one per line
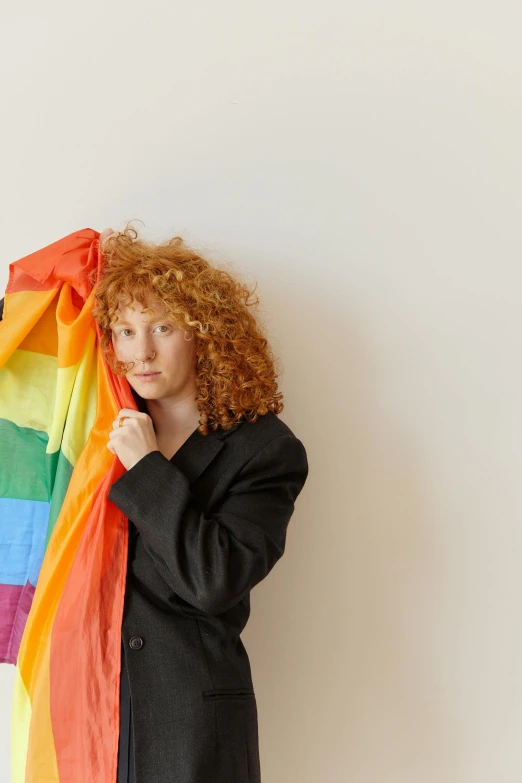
136 312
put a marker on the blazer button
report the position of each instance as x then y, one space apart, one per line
135 642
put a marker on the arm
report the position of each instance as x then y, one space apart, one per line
213 562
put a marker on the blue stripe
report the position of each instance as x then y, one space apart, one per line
23 527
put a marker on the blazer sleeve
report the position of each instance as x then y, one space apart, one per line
213 562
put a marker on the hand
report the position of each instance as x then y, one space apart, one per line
134 439
106 233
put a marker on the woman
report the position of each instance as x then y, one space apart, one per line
212 475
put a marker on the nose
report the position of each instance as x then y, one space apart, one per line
143 351
144 356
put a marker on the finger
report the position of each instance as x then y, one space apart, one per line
117 426
124 412
130 414
106 233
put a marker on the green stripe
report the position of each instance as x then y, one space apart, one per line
28 472
62 477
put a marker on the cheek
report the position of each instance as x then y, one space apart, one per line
181 350
190 350
123 353
181 356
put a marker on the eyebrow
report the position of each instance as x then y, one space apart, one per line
151 321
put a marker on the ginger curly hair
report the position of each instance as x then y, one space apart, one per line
235 366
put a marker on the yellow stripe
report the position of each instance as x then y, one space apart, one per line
27 389
76 392
35 394
40 737
20 723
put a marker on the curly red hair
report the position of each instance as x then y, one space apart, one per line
235 366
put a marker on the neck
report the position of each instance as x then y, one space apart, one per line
170 415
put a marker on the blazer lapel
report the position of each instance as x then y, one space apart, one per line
198 451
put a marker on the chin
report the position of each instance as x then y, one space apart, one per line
146 393
140 400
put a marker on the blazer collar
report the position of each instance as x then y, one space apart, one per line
198 451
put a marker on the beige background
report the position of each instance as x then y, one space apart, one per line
361 161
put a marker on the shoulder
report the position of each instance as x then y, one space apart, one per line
257 433
267 438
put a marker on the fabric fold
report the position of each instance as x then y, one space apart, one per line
63 545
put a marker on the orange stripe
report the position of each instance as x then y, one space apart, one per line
57 322
85 698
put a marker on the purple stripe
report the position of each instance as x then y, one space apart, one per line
15 603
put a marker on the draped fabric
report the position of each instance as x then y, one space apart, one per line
63 544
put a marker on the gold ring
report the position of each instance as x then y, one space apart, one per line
121 420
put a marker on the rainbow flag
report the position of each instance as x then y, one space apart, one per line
63 545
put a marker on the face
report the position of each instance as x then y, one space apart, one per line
161 344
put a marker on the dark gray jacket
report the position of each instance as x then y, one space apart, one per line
204 528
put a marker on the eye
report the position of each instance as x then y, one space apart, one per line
161 326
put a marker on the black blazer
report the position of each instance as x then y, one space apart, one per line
204 528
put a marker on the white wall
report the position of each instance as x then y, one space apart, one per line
362 161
